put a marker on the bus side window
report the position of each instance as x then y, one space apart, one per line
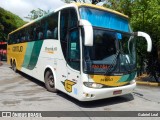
18 37
40 31
22 39
27 35
44 26
40 36
49 34
73 41
63 30
64 24
35 37
55 27
11 39
74 50
52 26
55 33
73 20
31 33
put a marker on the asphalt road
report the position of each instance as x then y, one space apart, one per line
19 92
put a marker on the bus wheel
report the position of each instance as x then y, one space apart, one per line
11 63
14 66
49 81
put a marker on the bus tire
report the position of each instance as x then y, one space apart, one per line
50 81
14 66
11 63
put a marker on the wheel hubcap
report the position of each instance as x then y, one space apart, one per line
51 81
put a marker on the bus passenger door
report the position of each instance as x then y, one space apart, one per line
73 61
69 38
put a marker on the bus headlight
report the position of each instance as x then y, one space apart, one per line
93 85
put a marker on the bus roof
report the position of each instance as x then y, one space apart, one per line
74 4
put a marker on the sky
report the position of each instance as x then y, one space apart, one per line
22 8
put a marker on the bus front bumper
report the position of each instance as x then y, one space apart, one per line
90 94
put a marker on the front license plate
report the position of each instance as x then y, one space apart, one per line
117 92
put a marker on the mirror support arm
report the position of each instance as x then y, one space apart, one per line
148 39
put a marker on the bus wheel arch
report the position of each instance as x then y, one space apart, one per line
49 79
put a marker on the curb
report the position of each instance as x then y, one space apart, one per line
148 83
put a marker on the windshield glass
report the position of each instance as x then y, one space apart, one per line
104 19
104 45
127 55
112 53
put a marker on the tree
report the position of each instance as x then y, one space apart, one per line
2 35
8 23
123 6
83 1
34 14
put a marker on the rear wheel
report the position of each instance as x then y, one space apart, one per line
14 66
50 81
11 63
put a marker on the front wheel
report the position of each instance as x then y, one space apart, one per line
49 81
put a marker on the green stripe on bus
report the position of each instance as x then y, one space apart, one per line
35 54
27 57
127 78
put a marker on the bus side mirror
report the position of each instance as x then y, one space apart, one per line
148 39
88 32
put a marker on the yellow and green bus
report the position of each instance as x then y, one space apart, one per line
83 50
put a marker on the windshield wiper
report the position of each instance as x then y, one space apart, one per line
126 61
113 63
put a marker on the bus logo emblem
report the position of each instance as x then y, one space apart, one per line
68 85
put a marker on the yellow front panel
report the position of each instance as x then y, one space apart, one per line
107 80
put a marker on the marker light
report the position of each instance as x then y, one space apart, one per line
132 82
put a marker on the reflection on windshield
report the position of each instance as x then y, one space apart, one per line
104 46
128 53
111 53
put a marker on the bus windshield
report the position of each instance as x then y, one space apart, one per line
112 53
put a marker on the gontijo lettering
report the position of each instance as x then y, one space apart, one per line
17 48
